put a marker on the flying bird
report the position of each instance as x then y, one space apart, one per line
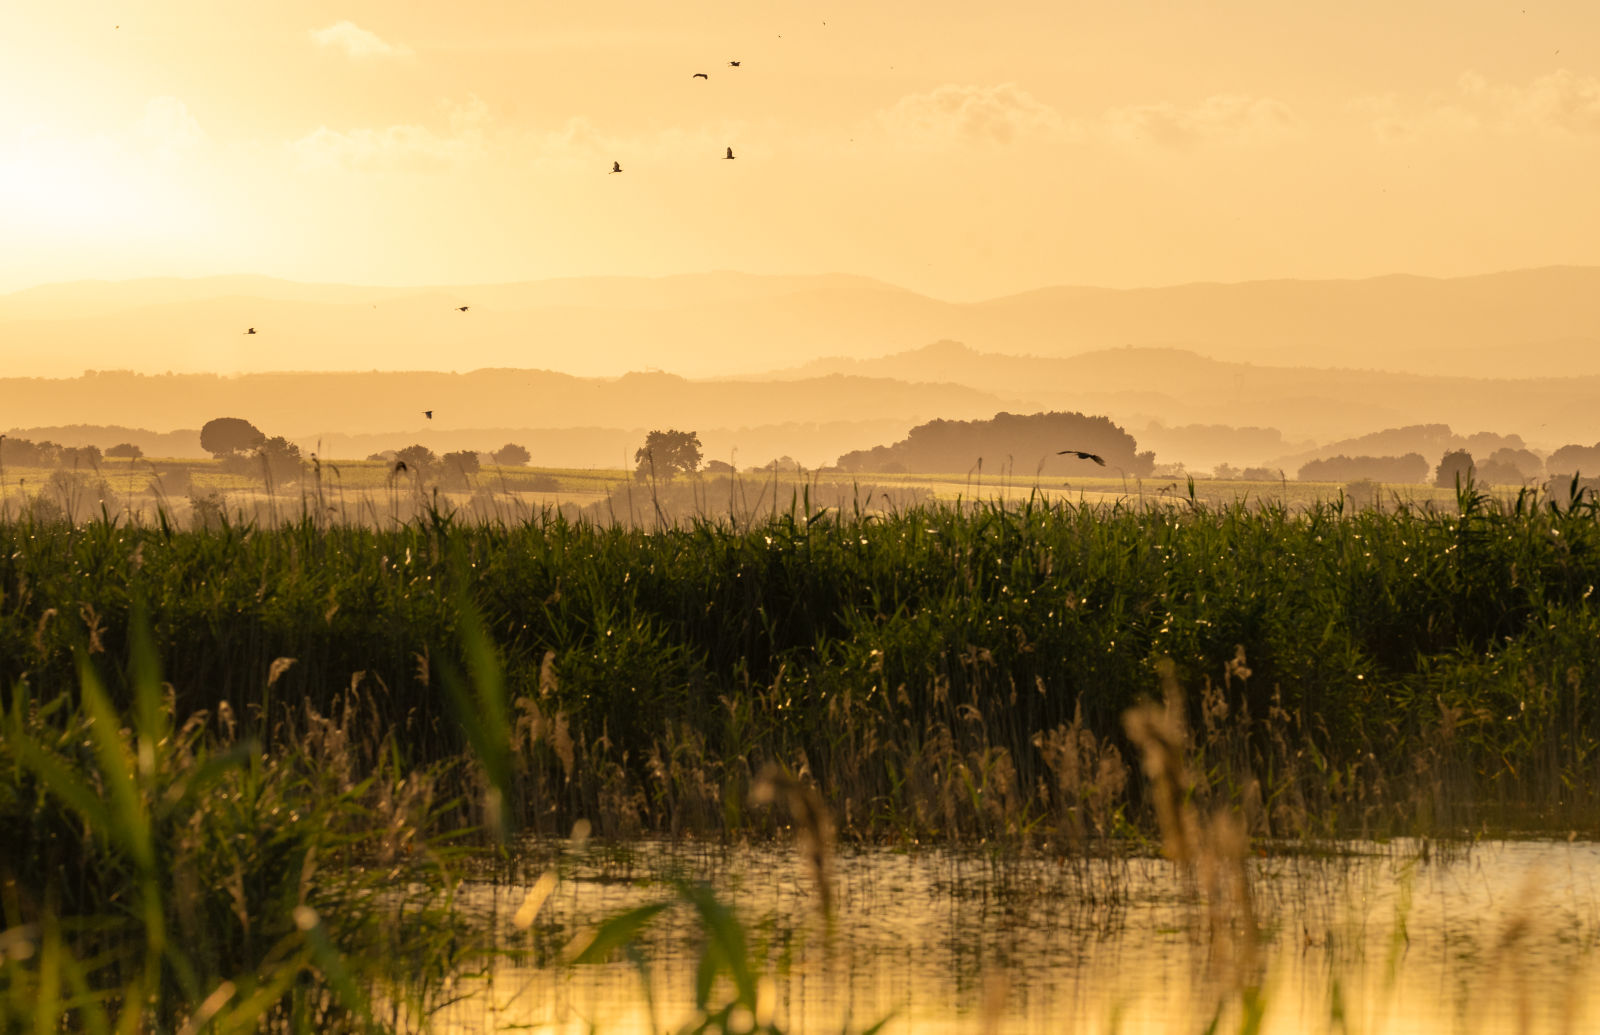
1081 455
462 308
728 155
699 75
251 331
399 468
428 414
616 167
733 64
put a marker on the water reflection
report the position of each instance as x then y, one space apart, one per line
1368 938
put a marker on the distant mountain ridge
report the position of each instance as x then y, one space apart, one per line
1141 386
1542 322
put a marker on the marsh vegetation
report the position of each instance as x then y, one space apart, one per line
241 755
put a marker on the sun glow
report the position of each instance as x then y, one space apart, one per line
45 189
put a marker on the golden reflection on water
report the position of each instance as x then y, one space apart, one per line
1370 938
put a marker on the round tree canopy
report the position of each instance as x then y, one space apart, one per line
226 435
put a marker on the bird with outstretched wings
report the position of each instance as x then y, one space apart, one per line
428 414
699 75
1081 455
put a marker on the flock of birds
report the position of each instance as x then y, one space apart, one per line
616 167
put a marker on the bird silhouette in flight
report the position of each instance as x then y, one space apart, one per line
733 64
428 414
399 468
699 75
728 155
616 167
462 308
1081 455
251 331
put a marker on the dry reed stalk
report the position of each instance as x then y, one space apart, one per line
1160 735
1215 848
814 825
1090 777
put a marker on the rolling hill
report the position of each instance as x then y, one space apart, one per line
1540 322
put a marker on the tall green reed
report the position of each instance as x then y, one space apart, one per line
172 876
926 667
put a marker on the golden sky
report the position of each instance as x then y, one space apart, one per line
958 148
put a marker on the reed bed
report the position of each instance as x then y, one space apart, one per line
936 671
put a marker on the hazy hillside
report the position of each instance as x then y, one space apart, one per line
1463 325
355 402
1138 387
353 414
1543 322
712 323
1431 440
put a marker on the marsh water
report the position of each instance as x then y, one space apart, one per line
1356 937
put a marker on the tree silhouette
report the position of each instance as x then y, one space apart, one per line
666 454
226 435
1574 459
1026 443
1413 467
511 455
1453 466
126 451
280 457
459 466
416 458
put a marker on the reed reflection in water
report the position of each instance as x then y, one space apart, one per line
1365 937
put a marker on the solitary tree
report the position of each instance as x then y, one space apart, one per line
511 455
1454 466
463 460
226 435
78 456
668 453
417 458
126 451
458 467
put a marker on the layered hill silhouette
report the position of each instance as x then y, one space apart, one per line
1185 407
566 420
1543 322
1172 388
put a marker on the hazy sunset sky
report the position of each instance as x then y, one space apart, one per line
961 149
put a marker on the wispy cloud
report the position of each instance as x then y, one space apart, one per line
1559 104
1222 116
953 113
410 147
357 42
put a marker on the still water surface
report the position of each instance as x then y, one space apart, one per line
1369 937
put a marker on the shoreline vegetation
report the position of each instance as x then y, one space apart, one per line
240 755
